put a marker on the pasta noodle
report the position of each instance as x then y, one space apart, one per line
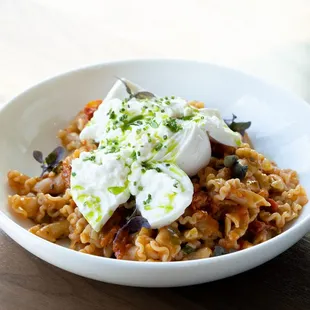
226 212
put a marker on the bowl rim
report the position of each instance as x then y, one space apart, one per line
5 221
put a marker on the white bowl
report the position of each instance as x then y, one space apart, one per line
280 129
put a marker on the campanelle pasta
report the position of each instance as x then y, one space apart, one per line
227 213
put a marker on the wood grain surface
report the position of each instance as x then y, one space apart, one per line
29 283
40 38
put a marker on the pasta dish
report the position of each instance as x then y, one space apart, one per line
149 178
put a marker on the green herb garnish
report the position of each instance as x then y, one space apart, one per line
187 118
172 125
123 117
132 121
112 115
133 155
148 200
91 158
158 146
116 190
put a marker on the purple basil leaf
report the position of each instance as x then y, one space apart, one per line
229 121
133 214
132 226
44 169
240 127
218 251
237 126
144 95
136 223
187 249
38 156
128 89
53 159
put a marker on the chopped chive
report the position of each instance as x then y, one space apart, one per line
91 158
172 125
154 124
133 155
158 146
149 198
112 115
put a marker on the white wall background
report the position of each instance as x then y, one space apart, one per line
40 38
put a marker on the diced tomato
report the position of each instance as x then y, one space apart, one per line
273 205
200 200
91 107
256 226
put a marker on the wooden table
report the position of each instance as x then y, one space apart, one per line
41 38
28 283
